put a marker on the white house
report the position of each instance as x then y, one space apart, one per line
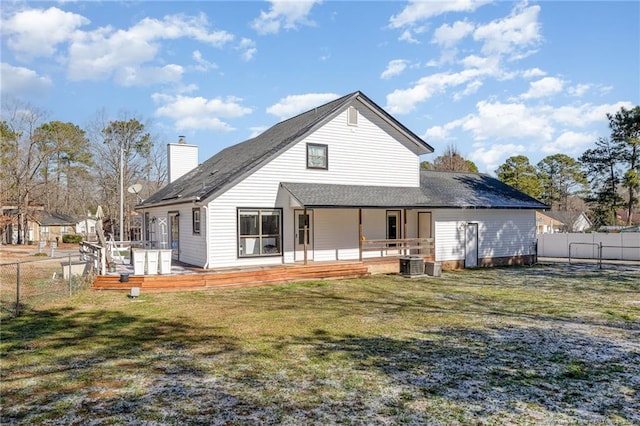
562 221
319 185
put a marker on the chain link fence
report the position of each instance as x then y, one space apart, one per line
31 283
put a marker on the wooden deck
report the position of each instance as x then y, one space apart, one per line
220 279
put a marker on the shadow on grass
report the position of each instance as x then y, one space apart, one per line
501 372
51 358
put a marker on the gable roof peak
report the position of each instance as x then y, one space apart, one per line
234 162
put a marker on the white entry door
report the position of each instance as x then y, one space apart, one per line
471 246
302 221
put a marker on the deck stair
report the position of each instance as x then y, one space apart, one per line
234 278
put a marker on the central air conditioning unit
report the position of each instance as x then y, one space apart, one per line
411 266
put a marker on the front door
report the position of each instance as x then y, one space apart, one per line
393 227
304 227
174 235
471 246
424 230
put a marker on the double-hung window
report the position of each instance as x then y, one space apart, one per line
317 156
259 232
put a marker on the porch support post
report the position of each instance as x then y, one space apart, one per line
404 229
360 234
305 234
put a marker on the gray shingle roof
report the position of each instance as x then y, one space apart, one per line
566 217
56 219
473 190
224 169
437 190
332 196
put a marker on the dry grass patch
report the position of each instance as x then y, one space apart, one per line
527 345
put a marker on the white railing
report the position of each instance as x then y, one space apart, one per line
399 247
95 253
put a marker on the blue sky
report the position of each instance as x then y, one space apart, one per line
493 79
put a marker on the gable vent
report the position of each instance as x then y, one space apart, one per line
352 116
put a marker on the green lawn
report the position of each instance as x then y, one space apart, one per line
553 344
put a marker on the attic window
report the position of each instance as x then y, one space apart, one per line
317 156
352 116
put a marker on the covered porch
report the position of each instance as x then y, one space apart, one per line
326 222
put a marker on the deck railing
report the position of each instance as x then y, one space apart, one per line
399 247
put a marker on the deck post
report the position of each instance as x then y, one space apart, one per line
360 234
305 233
404 230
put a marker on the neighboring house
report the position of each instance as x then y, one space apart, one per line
316 186
11 214
550 222
87 227
54 225
546 224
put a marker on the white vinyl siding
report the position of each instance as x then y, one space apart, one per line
192 247
362 155
501 233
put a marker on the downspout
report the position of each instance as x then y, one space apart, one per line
305 234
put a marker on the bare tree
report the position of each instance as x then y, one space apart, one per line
22 157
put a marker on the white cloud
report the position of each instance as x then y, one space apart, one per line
579 90
488 158
570 143
448 35
194 113
394 68
533 72
507 120
436 133
285 14
98 54
295 104
584 114
403 101
420 10
37 32
201 63
544 87
248 48
442 133
512 35
148 76
173 27
19 81
471 88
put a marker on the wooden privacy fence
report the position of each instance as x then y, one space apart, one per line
597 245
398 247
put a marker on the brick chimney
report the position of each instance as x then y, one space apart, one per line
181 158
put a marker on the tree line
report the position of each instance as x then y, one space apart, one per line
60 167
605 178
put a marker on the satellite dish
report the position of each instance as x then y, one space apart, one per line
135 188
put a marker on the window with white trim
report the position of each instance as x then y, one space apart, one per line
259 232
317 156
